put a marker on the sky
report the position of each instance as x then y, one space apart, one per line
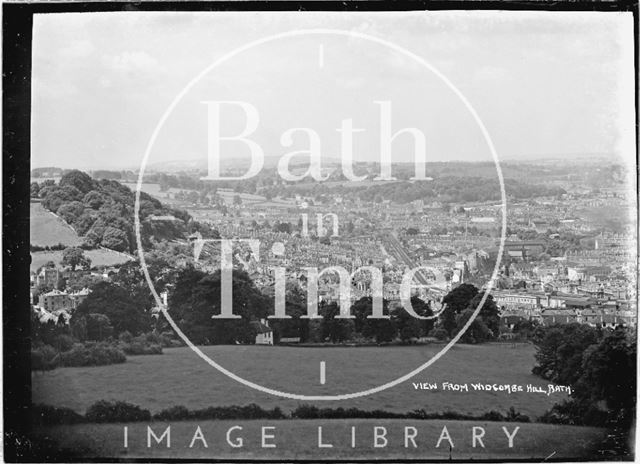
543 84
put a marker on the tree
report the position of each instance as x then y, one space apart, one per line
98 327
408 326
34 190
237 200
115 239
74 256
489 313
84 223
382 330
70 193
525 328
477 331
85 281
295 306
559 350
361 309
609 370
78 179
53 197
456 301
600 365
196 297
124 310
94 199
336 330
71 211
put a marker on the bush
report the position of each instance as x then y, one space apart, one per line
142 344
125 337
575 412
312 412
44 358
43 414
119 411
105 411
439 333
139 348
175 413
92 354
306 411
161 339
251 411
65 342
514 416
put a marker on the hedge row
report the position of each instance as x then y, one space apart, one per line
105 411
46 357
73 354
312 412
59 247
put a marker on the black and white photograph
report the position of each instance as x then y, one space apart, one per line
302 235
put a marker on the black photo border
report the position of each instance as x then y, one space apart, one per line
16 63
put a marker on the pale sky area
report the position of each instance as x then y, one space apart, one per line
543 84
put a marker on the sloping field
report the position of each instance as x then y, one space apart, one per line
180 377
47 229
99 257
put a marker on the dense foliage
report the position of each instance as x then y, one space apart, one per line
118 411
600 366
197 297
460 304
102 211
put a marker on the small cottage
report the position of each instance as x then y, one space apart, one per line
264 333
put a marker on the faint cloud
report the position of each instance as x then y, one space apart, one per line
105 82
136 62
350 82
52 88
78 49
491 73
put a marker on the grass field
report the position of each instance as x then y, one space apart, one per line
47 229
179 377
99 257
298 439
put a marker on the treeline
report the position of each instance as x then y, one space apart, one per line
59 247
450 189
196 297
88 342
102 211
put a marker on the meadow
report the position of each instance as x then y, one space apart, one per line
180 377
298 439
99 257
47 229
